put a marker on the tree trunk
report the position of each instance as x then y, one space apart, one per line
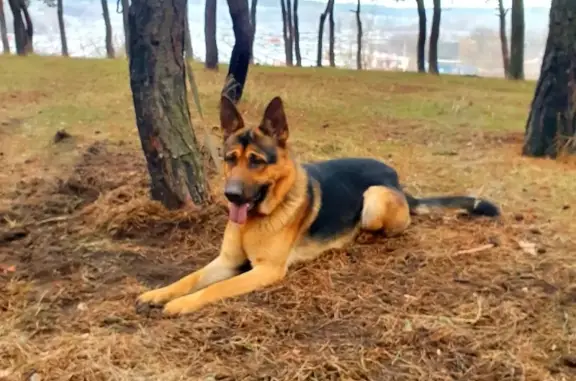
242 51
331 56
517 41
551 125
253 8
290 30
63 40
23 28
29 27
188 43
421 49
4 30
358 37
323 16
106 15
434 35
158 83
287 33
125 9
503 38
296 31
211 61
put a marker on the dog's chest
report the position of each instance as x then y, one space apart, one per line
308 249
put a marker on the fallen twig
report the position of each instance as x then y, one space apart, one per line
44 221
476 249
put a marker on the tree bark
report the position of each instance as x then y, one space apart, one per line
287 33
29 27
106 15
188 44
296 31
125 9
62 26
211 61
290 29
434 36
23 28
253 8
358 37
158 83
331 42
503 38
551 124
4 30
323 16
517 41
421 49
242 51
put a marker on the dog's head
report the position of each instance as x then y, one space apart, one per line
256 159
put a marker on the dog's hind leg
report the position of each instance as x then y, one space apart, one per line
385 209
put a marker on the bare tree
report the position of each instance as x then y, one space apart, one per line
242 51
106 15
287 32
162 114
329 6
551 124
503 38
332 38
296 34
23 28
62 26
517 41
211 61
4 30
58 4
253 8
421 49
434 36
358 37
125 10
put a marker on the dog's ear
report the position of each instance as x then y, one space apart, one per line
230 119
274 122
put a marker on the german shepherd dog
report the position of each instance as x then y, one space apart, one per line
282 212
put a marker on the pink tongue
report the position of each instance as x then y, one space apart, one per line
237 213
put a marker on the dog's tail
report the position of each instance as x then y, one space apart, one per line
474 206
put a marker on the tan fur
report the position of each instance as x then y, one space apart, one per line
273 239
385 209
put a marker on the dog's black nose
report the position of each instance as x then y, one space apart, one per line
234 192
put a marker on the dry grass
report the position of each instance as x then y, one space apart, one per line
85 240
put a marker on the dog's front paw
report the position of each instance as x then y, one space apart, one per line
182 306
155 297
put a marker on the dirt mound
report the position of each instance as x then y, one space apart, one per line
102 168
64 225
41 227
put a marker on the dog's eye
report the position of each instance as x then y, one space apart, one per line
256 161
230 159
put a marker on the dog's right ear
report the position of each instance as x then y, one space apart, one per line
230 119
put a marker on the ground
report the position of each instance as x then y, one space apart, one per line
452 299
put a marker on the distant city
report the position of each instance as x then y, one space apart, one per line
468 44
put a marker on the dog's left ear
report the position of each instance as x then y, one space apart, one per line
230 119
274 122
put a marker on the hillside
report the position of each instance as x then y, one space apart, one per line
451 299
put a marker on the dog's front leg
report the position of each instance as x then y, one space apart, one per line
259 277
225 266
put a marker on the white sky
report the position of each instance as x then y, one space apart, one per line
453 3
